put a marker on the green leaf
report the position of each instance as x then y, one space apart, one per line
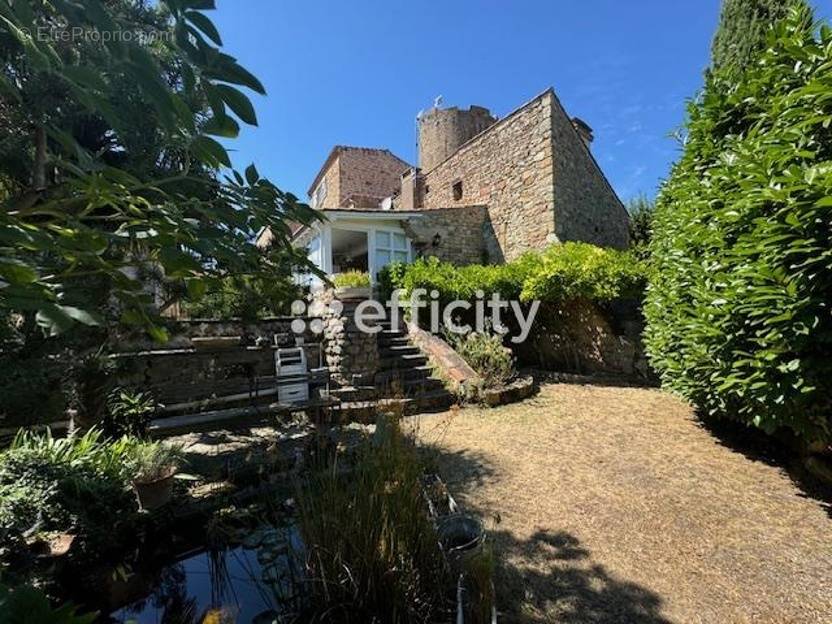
159 334
223 126
17 272
196 288
210 152
239 103
205 25
252 176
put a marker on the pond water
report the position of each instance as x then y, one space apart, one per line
253 583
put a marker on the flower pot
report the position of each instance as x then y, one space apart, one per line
154 494
461 537
353 293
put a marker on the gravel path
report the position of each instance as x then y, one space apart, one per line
611 504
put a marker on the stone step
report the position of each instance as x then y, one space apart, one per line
408 387
398 350
366 411
355 393
397 362
411 372
391 340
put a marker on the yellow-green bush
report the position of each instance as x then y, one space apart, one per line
560 273
351 279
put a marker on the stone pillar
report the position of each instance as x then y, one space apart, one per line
351 355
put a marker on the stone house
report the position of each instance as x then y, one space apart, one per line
485 190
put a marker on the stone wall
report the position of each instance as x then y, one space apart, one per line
509 169
588 338
367 176
332 179
586 207
460 235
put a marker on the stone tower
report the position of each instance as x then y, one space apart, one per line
443 130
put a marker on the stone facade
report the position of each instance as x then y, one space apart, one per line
458 235
538 179
509 169
357 177
586 206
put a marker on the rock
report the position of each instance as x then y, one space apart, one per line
820 468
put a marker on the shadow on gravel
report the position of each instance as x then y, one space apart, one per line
558 580
780 452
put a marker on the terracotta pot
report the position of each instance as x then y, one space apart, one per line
154 494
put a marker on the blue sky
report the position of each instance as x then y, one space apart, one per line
357 72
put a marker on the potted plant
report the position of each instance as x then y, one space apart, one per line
154 467
352 285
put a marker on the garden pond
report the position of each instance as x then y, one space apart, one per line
253 582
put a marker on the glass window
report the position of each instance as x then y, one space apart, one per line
399 242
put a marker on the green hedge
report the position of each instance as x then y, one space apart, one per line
559 273
738 306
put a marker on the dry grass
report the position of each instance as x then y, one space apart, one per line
615 505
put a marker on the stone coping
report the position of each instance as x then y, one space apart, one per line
513 392
451 366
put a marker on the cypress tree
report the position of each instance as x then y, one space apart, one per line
741 33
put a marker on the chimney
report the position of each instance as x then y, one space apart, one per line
412 193
584 131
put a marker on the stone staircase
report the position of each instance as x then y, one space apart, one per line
403 381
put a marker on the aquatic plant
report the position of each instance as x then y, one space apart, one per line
372 551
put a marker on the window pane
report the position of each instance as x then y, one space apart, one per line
383 239
382 258
399 241
400 256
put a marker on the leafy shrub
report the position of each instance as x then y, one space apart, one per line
583 271
738 306
31 391
351 279
559 273
75 483
372 551
486 354
29 605
152 461
128 414
245 297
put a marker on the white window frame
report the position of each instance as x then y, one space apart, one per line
392 249
370 230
